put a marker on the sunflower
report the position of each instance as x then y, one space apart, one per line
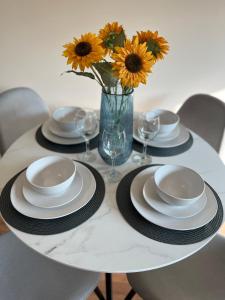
132 63
83 52
156 44
109 35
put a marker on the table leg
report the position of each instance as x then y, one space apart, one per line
108 286
99 293
130 295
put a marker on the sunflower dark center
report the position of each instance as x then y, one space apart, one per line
133 63
82 49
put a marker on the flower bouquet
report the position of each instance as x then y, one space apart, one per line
119 65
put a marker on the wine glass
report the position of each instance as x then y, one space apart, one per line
89 128
114 140
148 125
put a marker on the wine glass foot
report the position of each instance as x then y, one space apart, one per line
114 177
89 157
141 160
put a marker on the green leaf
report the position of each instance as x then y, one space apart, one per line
106 73
120 39
110 40
153 47
115 40
85 74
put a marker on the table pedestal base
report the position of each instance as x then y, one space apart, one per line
130 295
108 286
99 294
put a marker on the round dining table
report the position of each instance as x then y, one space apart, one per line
106 242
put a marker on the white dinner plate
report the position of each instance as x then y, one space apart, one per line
56 130
178 137
46 201
27 209
154 200
61 140
152 215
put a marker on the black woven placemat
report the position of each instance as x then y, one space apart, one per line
156 232
157 151
78 148
54 226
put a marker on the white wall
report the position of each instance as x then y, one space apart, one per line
32 34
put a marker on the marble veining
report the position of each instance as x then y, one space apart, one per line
106 242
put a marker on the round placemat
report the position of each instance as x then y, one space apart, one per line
54 226
78 148
157 151
155 232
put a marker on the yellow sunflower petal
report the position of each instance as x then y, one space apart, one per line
132 63
85 51
158 45
109 29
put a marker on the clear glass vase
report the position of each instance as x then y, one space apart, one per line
117 109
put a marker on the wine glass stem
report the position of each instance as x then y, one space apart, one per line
144 150
87 146
113 167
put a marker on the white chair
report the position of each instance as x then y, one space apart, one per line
205 115
27 275
200 277
20 110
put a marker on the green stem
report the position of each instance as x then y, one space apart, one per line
102 84
115 96
121 105
98 77
98 81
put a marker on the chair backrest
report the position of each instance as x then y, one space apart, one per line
20 110
205 115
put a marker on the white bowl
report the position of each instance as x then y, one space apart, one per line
69 118
168 121
51 175
178 185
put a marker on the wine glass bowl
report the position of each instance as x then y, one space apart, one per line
148 127
89 128
114 140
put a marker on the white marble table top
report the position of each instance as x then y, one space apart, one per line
105 242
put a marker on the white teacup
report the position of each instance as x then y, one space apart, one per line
168 121
69 118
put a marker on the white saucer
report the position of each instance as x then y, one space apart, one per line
154 200
45 201
27 209
165 136
150 214
56 130
61 140
178 137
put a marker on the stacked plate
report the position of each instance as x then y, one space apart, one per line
173 197
66 126
171 134
52 187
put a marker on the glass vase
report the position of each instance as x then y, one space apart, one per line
117 109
